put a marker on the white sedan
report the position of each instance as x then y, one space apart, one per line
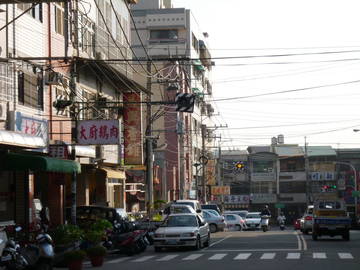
234 221
182 230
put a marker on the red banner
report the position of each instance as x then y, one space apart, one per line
133 143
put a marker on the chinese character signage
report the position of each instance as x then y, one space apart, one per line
30 125
98 132
210 173
243 199
220 190
133 144
59 151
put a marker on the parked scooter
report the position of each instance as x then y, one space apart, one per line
265 223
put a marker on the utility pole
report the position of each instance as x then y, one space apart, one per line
149 146
203 137
308 187
182 159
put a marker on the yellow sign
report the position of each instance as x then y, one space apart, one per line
220 190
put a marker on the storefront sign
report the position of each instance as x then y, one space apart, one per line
220 190
98 132
270 176
210 173
30 125
263 198
240 199
59 151
133 144
322 176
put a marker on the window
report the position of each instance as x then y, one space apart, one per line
59 18
263 187
195 43
87 35
31 90
36 12
263 166
292 187
164 36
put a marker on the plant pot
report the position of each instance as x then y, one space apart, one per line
75 265
97 260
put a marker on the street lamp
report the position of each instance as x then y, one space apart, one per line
197 165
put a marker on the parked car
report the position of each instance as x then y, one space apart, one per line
122 213
216 222
182 230
193 203
241 213
216 213
306 222
211 206
297 224
177 209
253 220
234 221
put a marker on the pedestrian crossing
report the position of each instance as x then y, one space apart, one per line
244 256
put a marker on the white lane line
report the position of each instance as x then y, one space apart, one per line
268 256
242 256
118 260
192 257
304 242
167 258
298 240
219 241
319 255
345 256
217 257
293 256
251 250
143 259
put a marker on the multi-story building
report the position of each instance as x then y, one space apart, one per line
172 35
53 53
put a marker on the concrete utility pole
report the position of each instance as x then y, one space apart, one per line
308 187
149 146
203 137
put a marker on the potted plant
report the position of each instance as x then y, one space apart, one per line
96 255
74 259
93 237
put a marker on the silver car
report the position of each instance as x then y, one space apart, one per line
306 222
216 222
182 230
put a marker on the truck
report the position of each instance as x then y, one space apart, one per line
330 218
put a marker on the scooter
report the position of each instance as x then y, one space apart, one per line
265 223
282 225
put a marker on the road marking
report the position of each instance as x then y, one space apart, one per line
304 242
242 256
268 256
299 240
219 241
345 256
217 257
250 250
192 257
293 256
319 255
118 260
167 258
143 259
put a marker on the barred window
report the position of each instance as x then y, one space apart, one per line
31 90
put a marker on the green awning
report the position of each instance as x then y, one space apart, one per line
198 65
24 162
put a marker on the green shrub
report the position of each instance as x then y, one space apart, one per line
96 251
67 234
75 255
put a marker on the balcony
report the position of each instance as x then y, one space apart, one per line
167 47
268 176
292 176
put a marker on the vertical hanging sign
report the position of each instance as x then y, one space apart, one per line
133 144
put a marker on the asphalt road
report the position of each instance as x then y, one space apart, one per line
252 251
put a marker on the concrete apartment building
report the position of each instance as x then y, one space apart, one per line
173 34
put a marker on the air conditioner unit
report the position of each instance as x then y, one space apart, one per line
3 111
52 78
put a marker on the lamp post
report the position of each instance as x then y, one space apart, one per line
197 165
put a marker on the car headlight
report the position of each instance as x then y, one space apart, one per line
188 234
159 235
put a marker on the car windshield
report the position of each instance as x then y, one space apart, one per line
182 221
186 203
242 214
253 216
179 210
213 212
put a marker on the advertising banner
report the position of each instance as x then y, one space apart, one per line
220 190
98 132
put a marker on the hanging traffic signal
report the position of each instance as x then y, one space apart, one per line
185 102
239 166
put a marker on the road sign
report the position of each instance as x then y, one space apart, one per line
279 205
355 193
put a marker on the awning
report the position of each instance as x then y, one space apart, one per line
21 140
24 162
198 65
110 173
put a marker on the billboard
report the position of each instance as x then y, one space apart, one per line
220 190
98 132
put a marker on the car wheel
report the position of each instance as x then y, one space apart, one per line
238 228
157 249
197 244
207 243
213 228
305 231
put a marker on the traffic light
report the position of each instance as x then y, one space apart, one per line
61 104
185 102
239 166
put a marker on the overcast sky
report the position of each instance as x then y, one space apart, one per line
324 35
